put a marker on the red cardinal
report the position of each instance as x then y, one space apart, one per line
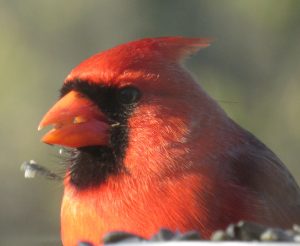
151 149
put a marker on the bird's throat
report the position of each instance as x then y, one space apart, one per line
91 166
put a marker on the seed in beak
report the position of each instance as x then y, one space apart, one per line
78 120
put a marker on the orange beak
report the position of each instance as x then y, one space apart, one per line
77 122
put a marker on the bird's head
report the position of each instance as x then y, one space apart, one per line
125 102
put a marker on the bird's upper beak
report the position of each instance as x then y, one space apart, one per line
77 122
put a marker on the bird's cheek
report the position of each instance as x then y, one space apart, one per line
77 123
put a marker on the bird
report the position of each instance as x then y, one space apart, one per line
150 149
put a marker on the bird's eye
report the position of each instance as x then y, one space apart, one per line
128 95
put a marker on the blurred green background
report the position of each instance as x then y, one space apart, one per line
252 69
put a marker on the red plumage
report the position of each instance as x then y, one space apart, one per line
187 165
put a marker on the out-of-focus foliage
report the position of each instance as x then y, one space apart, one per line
252 69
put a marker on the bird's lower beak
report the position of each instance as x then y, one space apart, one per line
77 122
